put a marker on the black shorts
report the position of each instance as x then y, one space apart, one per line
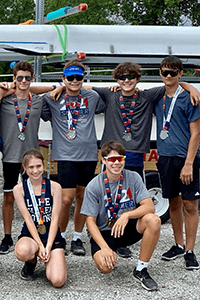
11 173
169 169
130 237
59 242
71 174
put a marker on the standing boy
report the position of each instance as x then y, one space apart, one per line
119 212
178 136
74 145
20 118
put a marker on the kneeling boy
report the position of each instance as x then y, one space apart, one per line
120 213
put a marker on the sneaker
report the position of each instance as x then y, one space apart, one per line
27 272
6 246
147 282
124 252
77 247
173 253
190 260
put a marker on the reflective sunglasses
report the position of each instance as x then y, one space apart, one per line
72 77
114 158
123 77
171 73
20 78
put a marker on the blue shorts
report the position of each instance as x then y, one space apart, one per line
71 173
130 237
169 169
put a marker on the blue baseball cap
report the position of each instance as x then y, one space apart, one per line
73 70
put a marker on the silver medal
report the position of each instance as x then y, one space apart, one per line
71 134
127 136
164 134
21 136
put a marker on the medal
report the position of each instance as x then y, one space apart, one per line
71 134
110 222
127 136
22 127
166 121
164 134
112 206
127 121
21 136
41 229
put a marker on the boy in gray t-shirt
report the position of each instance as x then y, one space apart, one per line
119 212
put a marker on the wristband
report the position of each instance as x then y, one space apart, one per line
54 87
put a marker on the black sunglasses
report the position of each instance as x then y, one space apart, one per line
123 77
20 78
72 77
165 73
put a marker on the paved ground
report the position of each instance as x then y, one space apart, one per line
86 282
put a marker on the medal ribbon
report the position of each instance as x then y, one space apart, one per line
169 114
113 208
21 126
38 213
127 121
76 111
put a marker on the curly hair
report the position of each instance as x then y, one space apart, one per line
130 68
23 66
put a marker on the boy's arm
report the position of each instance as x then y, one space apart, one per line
194 93
55 95
108 256
42 89
187 170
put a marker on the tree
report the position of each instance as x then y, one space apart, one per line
16 11
160 12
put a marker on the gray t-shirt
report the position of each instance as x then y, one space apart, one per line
95 198
141 121
13 148
84 146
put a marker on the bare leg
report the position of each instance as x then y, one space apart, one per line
56 269
191 222
176 216
149 226
67 199
79 220
26 249
8 211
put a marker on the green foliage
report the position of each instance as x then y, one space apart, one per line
160 12
16 11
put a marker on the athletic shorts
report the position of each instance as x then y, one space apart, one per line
130 237
11 173
71 174
169 169
58 243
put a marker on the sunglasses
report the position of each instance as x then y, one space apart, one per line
114 158
72 77
123 77
165 73
20 78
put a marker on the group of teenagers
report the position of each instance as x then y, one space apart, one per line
115 204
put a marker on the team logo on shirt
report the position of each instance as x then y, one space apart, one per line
83 111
